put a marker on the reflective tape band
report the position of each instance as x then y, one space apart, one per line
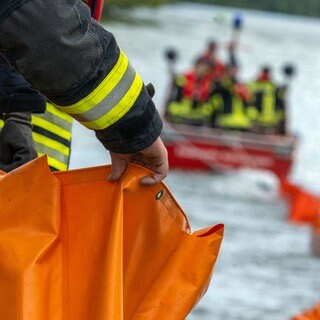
104 89
45 142
55 164
52 136
113 98
59 157
52 127
261 86
57 114
52 152
120 109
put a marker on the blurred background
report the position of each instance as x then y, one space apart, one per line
265 269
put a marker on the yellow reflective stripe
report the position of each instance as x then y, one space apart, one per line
180 80
238 107
51 143
47 125
58 113
54 163
104 88
52 136
113 98
57 153
268 106
261 86
119 109
217 102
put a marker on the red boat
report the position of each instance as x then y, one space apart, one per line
202 148
197 140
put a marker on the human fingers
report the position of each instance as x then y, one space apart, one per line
156 159
118 167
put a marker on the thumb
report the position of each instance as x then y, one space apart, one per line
153 179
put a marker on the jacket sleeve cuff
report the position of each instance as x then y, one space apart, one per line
19 117
137 130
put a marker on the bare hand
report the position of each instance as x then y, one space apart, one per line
154 158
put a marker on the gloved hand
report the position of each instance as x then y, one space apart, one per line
16 143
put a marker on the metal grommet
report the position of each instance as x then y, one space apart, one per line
159 194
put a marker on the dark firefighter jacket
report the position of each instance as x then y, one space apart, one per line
79 67
15 93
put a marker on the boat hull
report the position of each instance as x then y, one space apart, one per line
200 148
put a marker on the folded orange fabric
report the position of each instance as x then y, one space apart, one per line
74 246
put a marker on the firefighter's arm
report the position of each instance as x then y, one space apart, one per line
81 69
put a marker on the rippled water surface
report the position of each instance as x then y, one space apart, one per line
264 270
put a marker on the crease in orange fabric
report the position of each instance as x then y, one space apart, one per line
74 246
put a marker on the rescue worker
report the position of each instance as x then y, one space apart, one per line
267 107
79 67
16 143
264 75
189 102
197 83
229 99
218 67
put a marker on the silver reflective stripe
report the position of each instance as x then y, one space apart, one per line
43 149
111 100
63 123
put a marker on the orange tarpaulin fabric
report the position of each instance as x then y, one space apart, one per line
74 246
312 314
287 188
304 206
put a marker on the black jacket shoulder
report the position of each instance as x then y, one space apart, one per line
8 6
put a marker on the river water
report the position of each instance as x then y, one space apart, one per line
265 270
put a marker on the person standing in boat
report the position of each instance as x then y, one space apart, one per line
197 82
190 97
230 97
211 53
230 101
267 105
81 69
